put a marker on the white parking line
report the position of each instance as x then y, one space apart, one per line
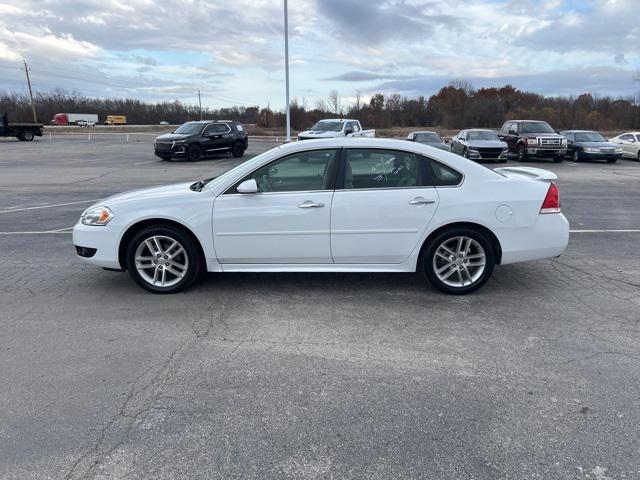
144 163
15 209
41 232
606 231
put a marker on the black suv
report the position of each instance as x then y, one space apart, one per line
194 140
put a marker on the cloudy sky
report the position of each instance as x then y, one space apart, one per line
233 49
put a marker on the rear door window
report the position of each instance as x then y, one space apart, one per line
380 168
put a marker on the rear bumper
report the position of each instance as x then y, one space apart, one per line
548 237
96 245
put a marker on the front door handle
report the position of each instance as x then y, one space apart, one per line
310 204
421 201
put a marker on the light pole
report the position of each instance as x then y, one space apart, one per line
286 68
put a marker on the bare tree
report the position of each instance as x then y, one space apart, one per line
334 102
357 104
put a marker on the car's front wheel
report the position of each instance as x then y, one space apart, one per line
522 153
163 259
576 156
194 153
458 260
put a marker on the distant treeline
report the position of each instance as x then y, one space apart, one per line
454 106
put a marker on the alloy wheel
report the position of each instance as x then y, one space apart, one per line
161 261
459 261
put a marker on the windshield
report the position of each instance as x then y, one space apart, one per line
327 126
482 135
589 137
427 137
189 128
535 127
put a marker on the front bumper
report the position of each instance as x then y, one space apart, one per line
546 152
97 245
600 155
179 151
479 155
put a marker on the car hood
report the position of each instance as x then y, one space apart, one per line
486 144
440 145
172 137
596 144
317 134
161 192
546 135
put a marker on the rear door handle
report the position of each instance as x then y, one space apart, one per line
421 201
310 204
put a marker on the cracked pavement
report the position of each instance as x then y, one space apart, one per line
311 375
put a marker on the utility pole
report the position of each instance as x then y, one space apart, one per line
33 105
200 103
286 67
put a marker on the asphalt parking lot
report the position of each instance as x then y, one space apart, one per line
310 375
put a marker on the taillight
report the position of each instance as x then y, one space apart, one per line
551 202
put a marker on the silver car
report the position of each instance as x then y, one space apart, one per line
630 143
429 138
480 144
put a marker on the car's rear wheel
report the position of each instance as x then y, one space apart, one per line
163 259
522 153
27 136
458 260
194 153
237 150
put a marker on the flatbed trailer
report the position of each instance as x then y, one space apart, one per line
22 131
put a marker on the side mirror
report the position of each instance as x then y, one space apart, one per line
248 186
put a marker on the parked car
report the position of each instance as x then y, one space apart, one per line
164 122
589 145
85 123
336 205
25 132
630 143
429 138
533 138
194 140
480 144
335 127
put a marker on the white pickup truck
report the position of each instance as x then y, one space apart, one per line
336 127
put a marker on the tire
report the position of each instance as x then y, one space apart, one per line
28 136
576 156
558 159
638 157
612 160
182 260
465 153
194 153
467 277
502 160
522 153
20 137
237 150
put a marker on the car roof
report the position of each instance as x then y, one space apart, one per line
424 131
479 130
532 121
579 131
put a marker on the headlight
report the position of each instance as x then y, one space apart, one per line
532 141
96 216
563 141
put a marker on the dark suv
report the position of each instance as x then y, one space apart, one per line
533 138
194 140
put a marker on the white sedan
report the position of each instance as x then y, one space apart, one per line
336 205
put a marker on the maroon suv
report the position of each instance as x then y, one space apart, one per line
533 138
